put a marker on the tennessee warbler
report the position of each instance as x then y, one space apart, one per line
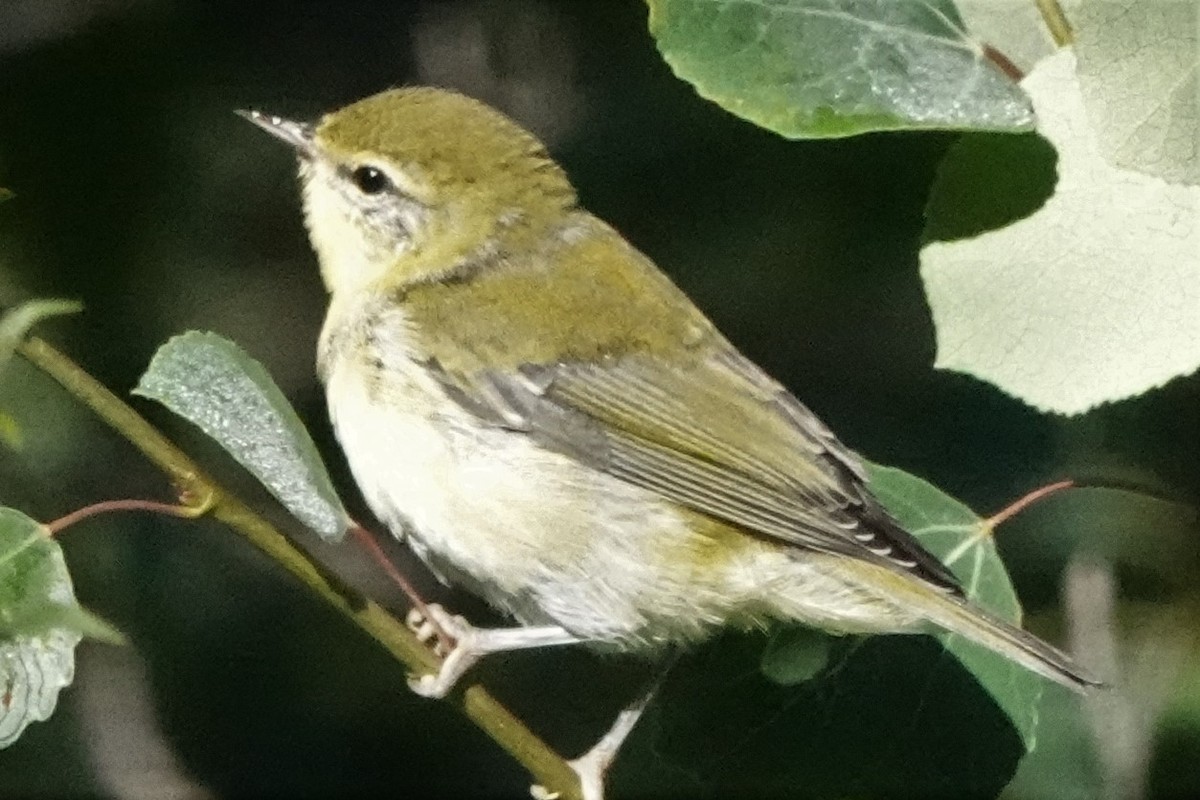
560 430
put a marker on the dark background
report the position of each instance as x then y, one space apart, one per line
140 193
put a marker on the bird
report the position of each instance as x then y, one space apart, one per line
557 428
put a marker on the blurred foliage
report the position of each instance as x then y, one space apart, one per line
141 193
15 323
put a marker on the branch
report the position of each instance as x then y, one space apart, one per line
1056 21
543 763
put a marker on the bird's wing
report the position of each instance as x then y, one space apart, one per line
717 436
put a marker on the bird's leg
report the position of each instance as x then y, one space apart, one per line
472 644
592 766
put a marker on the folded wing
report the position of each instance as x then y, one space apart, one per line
717 436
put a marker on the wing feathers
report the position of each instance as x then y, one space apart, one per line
720 437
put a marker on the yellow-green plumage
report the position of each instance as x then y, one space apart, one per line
557 425
578 277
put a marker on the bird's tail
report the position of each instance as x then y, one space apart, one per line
957 615
951 612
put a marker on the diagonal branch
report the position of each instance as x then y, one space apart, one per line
544 764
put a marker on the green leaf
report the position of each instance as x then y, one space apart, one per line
957 536
822 68
1088 300
907 716
16 322
40 624
795 655
5 194
1020 173
1139 72
214 384
1064 766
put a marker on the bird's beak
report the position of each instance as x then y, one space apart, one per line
297 134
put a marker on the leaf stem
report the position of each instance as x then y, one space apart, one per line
109 506
544 764
367 542
1004 63
1056 22
1022 503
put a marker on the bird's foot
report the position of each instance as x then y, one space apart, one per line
434 629
455 643
471 644
592 766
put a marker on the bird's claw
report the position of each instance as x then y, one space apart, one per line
455 645
440 624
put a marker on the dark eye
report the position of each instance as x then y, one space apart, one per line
370 180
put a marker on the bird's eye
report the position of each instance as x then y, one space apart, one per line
370 180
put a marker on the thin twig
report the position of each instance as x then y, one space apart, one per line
544 764
1022 503
1056 22
109 506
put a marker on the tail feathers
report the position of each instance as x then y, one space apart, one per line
961 617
